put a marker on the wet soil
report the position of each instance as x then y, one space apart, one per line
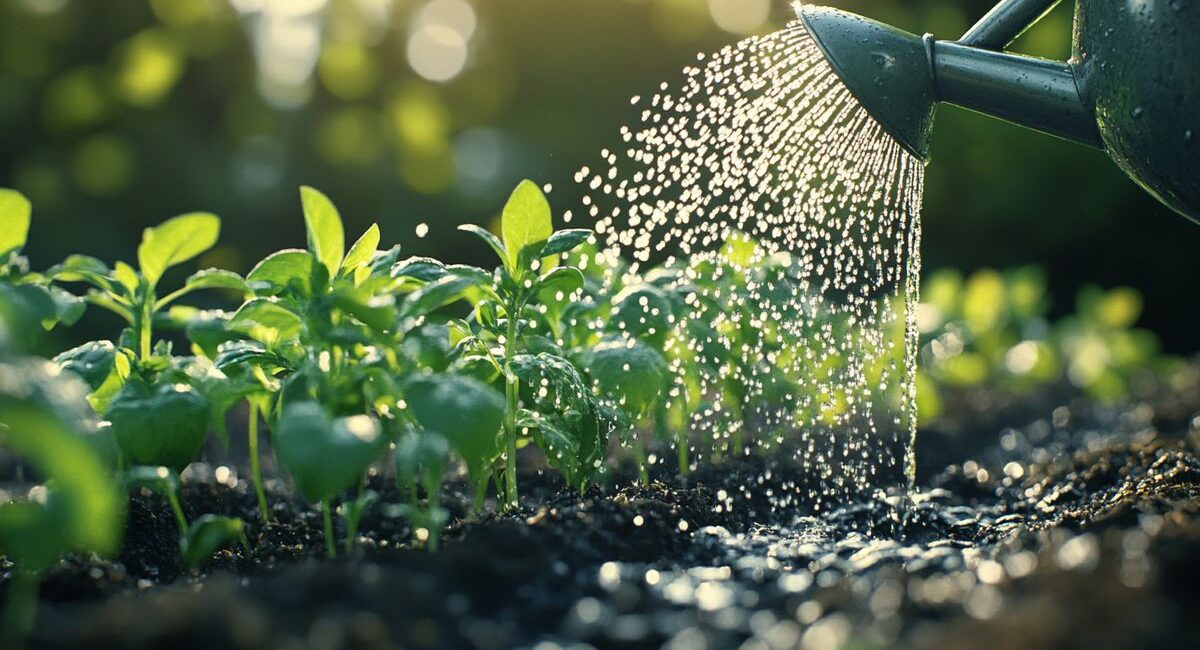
1073 525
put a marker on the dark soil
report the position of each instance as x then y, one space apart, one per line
1075 525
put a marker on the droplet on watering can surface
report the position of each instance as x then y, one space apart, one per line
1136 112
1187 135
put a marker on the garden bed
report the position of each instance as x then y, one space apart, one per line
1094 545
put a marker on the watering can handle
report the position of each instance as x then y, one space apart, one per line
1005 22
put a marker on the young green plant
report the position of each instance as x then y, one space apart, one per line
527 245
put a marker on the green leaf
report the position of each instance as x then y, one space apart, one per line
629 373
163 424
252 352
476 275
27 307
290 269
265 320
206 279
157 479
103 394
645 312
363 250
565 240
216 279
208 329
352 511
566 279
15 212
323 224
420 452
434 295
207 534
92 362
127 276
383 261
525 220
175 241
83 268
68 307
426 269
489 238
223 394
561 449
326 455
550 383
376 312
464 410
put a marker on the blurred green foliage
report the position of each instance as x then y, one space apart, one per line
44 422
427 111
990 330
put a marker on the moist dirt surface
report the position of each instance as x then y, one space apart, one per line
1037 523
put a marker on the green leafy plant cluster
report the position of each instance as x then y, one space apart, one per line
353 360
991 328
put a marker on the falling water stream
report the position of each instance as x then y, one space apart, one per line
761 169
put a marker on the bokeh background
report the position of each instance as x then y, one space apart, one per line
117 114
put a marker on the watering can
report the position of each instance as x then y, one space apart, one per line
1131 87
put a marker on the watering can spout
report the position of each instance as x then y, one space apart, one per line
1132 87
900 77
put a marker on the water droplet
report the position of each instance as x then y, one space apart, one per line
789 221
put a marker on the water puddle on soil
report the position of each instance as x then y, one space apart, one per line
785 223
974 548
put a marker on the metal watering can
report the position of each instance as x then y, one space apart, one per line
1131 87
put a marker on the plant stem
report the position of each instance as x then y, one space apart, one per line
255 468
433 492
180 519
20 606
327 516
511 386
145 322
480 495
639 453
351 532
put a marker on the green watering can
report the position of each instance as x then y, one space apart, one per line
1131 88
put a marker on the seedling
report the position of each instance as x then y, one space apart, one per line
566 420
528 244
632 376
199 539
326 455
304 309
155 401
352 512
420 458
467 414
646 313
